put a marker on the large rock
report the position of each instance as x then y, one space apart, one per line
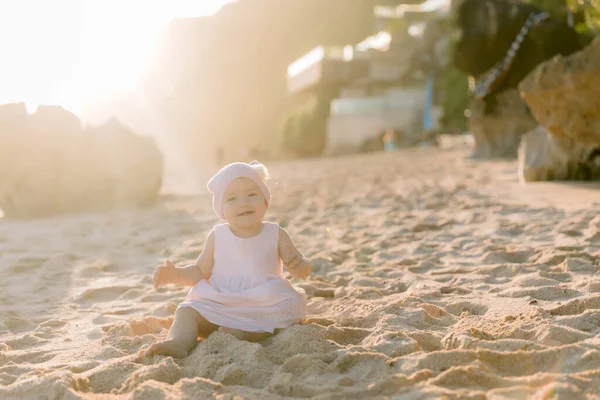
50 165
14 117
488 28
547 157
564 95
498 134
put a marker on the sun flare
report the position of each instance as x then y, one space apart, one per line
72 52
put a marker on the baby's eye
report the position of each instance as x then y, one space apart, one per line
252 194
230 199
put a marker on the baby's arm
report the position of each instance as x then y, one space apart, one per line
190 274
206 259
296 263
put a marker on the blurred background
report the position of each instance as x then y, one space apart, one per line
212 81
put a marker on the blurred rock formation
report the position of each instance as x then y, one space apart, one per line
489 28
50 164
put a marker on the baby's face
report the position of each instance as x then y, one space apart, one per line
244 205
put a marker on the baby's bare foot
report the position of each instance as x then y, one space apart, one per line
167 348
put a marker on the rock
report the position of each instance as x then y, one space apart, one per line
50 165
488 28
563 94
546 157
498 134
55 119
13 117
137 164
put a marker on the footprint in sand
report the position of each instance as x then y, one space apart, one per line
555 335
144 326
78 367
492 280
32 357
457 308
345 336
392 344
108 353
503 271
577 306
420 267
21 265
579 265
360 366
24 342
558 276
10 373
458 340
454 289
161 297
541 293
588 321
53 323
101 294
97 268
167 371
110 376
19 325
593 286
128 338
535 281
502 256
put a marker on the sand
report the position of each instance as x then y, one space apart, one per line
433 277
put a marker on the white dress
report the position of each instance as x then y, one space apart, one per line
247 289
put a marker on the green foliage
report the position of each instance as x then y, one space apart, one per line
454 98
587 12
591 14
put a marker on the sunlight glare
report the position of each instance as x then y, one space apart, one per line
71 52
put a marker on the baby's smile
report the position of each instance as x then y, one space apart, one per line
245 213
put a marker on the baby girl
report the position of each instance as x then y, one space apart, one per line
238 282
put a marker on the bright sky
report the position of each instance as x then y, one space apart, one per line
68 52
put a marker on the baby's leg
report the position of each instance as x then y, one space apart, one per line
183 335
248 336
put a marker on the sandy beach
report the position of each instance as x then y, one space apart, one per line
434 277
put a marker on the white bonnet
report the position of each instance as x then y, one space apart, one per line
218 183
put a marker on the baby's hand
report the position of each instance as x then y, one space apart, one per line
164 274
298 266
